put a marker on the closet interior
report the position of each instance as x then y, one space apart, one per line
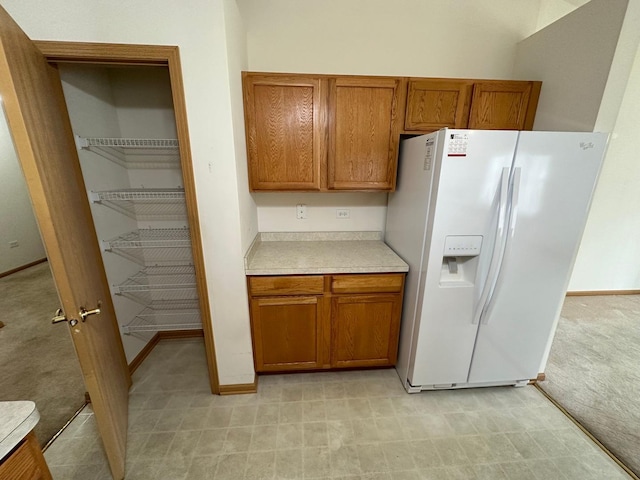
124 125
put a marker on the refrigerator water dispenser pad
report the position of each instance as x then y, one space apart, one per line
460 260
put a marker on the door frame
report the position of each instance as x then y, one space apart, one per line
168 56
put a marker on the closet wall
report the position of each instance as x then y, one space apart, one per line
17 222
135 102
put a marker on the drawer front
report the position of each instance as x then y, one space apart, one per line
286 285
377 283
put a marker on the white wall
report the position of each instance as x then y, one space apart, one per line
609 256
552 10
572 57
198 28
601 264
466 38
17 222
237 62
585 61
277 212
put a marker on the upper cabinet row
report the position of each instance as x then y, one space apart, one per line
338 133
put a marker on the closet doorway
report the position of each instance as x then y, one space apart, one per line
35 107
130 66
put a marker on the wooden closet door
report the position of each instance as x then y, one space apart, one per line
365 120
37 117
285 122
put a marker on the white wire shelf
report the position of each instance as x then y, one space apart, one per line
162 287
144 203
150 320
153 246
134 152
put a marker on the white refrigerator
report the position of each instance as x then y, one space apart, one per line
489 223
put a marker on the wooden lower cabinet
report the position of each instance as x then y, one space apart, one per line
353 322
287 333
26 462
364 330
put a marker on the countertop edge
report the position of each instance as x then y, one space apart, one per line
324 271
358 253
20 431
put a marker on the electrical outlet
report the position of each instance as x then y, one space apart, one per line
301 211
13 244
342 213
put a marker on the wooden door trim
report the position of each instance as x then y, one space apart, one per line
155 55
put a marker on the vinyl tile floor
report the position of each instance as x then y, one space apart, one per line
357 425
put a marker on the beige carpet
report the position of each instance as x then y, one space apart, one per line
594 370
37 359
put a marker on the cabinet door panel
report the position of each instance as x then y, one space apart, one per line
284 121
501 105
433 104
364 133
26 462
365 330
287 333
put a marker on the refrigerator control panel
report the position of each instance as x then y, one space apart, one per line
462 245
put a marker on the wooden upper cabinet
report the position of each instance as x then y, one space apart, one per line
340 132
504 105
365 121
284 119
433 104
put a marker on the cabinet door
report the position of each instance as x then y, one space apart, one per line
504 105
365 330
285 122
287 333
26 462
365 120
433 104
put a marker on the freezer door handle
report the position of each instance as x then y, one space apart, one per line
514 194
503 203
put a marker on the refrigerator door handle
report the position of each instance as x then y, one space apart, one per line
515 196
513 216
496 256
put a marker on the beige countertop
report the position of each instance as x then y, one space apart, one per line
17 419
296 253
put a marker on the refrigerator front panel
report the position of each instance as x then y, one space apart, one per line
407 212
474 165
557 176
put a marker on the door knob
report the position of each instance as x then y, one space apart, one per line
59 317
84 313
